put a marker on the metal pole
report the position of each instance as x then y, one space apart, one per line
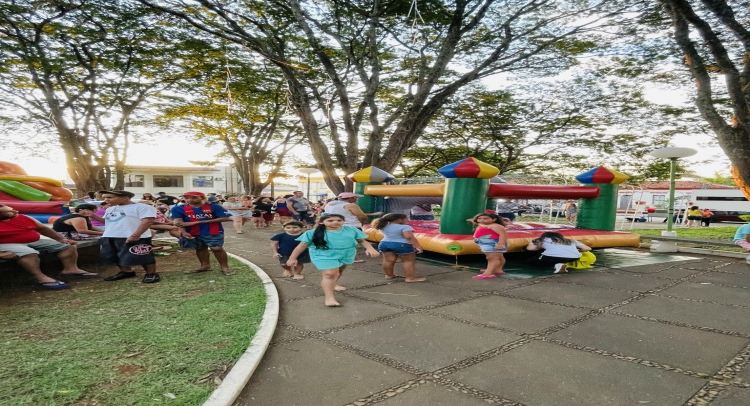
670 207
308 186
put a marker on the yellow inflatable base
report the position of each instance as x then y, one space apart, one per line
452 244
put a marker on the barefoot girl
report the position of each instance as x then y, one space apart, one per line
492 239
398 242
332 247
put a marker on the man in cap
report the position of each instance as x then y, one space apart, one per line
166 200
300 207
202 221
127 239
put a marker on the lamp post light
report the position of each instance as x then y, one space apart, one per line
673 154
308 171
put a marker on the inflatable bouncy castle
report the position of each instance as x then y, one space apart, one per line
468 191
34 196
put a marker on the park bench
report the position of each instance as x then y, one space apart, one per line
669 244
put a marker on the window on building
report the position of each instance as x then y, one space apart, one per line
134 181
168 181
203 181
660 201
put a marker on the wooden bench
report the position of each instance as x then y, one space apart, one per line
669 244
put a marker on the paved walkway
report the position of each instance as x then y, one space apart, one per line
673 333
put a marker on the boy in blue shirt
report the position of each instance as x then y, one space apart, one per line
283 244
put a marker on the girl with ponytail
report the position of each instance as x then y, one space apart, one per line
332 247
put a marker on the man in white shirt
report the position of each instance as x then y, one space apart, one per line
127 239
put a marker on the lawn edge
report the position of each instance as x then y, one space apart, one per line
233 384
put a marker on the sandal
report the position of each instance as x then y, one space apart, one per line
53 285
82 275
483 276
198 271
229 272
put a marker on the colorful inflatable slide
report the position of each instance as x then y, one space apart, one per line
34 196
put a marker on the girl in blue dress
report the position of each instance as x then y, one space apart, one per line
332 247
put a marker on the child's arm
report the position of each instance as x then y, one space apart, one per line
409 235
500 230
275 249
582 247
296 253
372 252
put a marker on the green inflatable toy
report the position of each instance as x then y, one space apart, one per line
23 192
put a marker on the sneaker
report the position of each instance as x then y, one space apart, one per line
561 268
120 275
151 278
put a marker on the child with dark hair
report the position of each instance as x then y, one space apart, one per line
282 246
398 242
492 239
332 247
557 250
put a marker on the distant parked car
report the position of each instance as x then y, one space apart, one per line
728 216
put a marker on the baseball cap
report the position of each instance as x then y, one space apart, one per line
347 195
199 194
117 193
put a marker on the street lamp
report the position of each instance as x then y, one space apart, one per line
672 154
308 171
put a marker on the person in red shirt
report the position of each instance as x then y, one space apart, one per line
20 240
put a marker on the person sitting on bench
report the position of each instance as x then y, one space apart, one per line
20 241
742 237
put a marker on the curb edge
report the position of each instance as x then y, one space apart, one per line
233 384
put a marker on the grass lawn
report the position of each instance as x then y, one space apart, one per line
124 342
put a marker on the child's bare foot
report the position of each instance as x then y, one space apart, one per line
500 273
339 288
298 277
286 274
332 303
390 276
415 279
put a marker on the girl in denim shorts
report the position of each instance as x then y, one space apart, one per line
492 239
398 242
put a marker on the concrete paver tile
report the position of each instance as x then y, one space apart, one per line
432 394
311 314
282 333
608 279
423 341
744 375
741 279
515 314
693 313
412 294
289 289
695 350
543 374
662 271
462 280
732 397
351 278
310 372
711 293
567 293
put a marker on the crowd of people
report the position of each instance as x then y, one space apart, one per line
693 216
326 234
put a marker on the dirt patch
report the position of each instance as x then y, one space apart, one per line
36 335
194 293
130 370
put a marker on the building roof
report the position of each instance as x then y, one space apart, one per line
684 185
132 168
